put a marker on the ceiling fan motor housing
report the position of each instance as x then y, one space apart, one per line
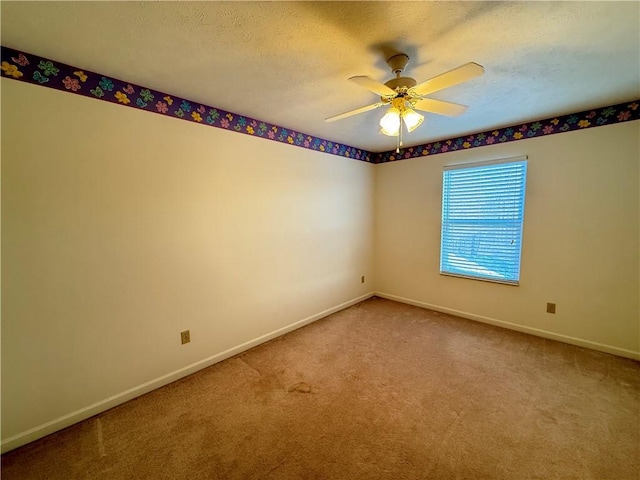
401 82
397 64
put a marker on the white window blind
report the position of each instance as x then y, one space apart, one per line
482 215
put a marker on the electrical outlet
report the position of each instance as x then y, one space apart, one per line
551 308
185 337
362 279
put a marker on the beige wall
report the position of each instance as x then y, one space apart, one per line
580 241
120 229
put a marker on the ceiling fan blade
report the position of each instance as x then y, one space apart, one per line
448 79
355 112
373 86
438 106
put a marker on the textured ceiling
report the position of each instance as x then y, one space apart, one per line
288 62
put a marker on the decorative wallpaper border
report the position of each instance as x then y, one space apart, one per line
37 70
622 112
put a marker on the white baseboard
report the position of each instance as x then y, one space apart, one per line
622 352
40 431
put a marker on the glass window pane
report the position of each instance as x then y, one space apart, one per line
482 216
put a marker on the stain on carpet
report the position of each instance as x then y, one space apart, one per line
300 387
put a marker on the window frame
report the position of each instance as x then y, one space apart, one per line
523 160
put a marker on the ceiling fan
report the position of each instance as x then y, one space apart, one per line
405 95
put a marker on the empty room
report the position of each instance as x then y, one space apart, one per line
320 240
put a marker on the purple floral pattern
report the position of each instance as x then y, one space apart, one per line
41 71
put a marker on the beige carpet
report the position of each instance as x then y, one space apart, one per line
381 390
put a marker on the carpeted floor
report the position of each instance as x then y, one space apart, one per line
381 390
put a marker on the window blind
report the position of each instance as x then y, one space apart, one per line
482 216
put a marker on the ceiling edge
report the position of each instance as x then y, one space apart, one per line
44 72
30 68
598 117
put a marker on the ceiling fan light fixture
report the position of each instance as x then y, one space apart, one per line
403 96
390 123
412 119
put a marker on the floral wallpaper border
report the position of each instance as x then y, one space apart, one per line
622 112
37 70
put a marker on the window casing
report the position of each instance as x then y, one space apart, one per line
482 218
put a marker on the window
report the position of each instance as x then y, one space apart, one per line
482 213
